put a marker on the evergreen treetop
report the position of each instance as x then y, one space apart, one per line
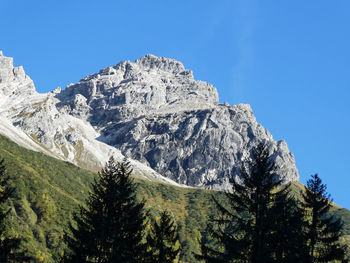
323 231
163 240
243 229
111 227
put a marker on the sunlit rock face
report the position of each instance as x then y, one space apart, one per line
153 111
150 85
15 85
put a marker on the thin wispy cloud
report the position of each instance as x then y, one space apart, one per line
245 19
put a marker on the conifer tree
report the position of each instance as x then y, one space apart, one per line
243 229
287 235
110 228
323 230
9 246
163 240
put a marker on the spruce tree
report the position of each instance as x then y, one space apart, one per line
9 246
111 226
163 240
323 230
287 235
242 231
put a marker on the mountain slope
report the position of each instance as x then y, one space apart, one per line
151 110
48 191
33 121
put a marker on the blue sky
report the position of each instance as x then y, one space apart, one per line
289 59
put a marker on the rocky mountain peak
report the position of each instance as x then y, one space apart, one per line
130 89
151 62
15 85
152 111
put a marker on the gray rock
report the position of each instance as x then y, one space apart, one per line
151 110
150 85
201 147
14 83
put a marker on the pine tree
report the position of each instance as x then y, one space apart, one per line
110 228
243 230
323 230
163 240
9 246
287 235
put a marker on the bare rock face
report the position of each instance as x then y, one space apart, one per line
123 92
152 111
14 83
200 147
34 121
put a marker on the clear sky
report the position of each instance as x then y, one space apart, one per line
289 59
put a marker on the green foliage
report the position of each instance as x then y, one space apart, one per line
48 191
191 208
112 225
323 231
244 230
287 224
9 245
38 177
344 215
163 240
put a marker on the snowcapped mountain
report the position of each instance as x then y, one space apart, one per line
171 126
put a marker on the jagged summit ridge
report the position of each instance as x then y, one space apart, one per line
153 111
34 121
150 85
14 83
161 63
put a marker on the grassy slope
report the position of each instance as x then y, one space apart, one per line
48 191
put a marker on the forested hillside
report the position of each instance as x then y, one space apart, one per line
47 192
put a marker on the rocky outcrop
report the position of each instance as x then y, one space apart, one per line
200 147
150 85
151 110
15 85
34 121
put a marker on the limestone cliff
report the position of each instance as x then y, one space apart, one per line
151 110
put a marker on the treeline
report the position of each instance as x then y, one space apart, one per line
265 222
262 220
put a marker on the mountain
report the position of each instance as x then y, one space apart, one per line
34 121
171 126
152 111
